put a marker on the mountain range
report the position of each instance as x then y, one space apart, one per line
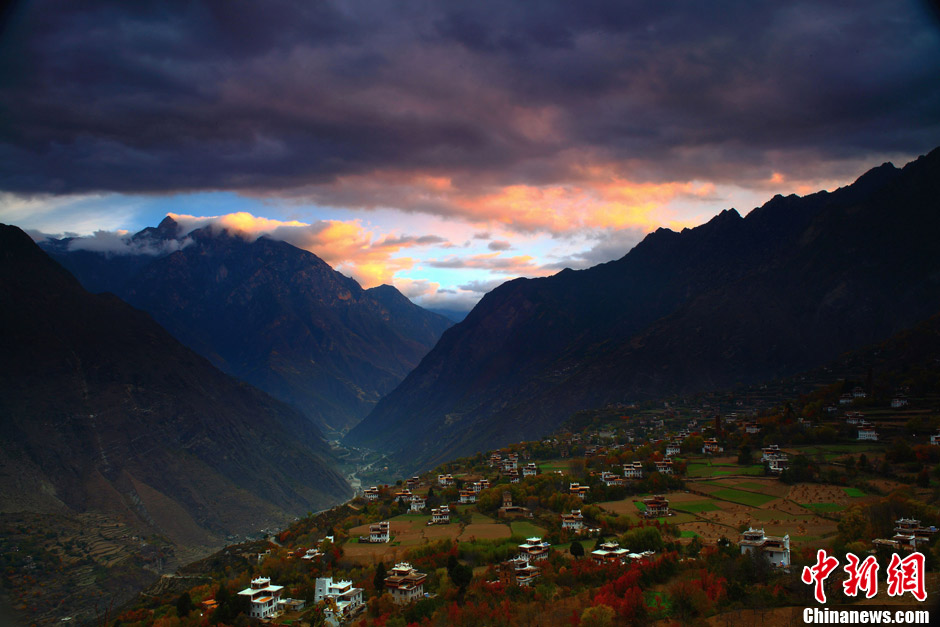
793 285
271 314
102 410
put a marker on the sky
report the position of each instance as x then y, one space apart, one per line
446 146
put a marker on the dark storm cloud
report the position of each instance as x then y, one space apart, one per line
291 96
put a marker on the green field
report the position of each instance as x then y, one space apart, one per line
688 534
696 506
553 466
640 505
719 470
477 517
526 529
823 507
745 498
853 492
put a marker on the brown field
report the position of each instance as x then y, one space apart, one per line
409 533
437 532
368 554
771 487
484 531
818 493
778 517
405 535
887 485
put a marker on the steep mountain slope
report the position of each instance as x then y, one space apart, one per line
102 410
270 314
794 284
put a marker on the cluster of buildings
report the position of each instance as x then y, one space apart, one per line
342 600
523 569
909 534
612 553
776 460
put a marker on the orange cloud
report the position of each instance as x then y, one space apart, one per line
597 198
345 245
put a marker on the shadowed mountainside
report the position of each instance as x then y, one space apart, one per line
793 285
270 314
102 410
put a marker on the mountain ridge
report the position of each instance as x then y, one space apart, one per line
109 411
269 313
680 311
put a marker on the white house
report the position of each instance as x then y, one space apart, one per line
710 447
578 490
405 583
573 521
609 552
633 470
312 554
775 548
440 515
264 597
519 571
342 599
468 496
379 532
664 467
868 434
534 549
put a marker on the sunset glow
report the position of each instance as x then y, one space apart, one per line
389 142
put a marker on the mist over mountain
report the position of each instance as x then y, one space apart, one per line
268 313
793 285
104 411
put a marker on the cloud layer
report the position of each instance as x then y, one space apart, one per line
548 116
573 127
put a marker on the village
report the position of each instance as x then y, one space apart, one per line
623 494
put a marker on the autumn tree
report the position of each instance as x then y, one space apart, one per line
576 549
379 579
184 605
